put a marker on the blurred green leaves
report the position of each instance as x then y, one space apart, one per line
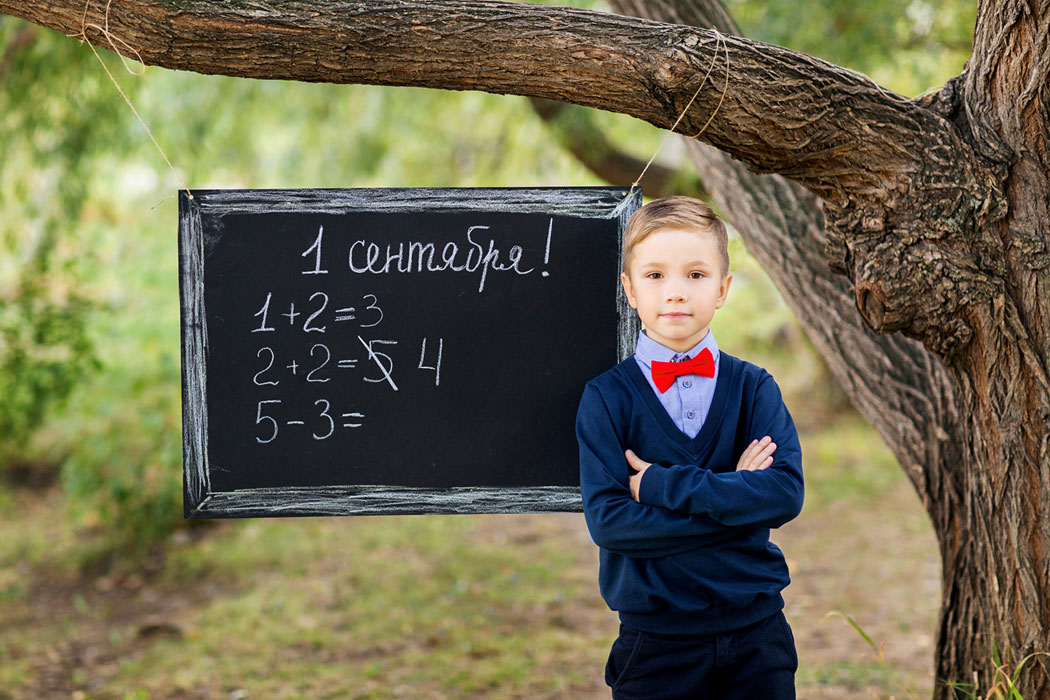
45 351
908 46
54 119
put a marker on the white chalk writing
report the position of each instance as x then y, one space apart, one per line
478 256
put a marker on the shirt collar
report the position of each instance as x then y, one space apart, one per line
648 350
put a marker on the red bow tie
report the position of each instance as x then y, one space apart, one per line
664 373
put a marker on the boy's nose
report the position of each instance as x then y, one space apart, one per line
675 294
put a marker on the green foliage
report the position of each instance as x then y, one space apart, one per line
45 349
63 127
47 140
123 473
905 45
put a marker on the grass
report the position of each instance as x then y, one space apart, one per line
1004 681
889 675
855 675
399 601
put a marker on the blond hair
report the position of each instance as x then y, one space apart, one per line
675 212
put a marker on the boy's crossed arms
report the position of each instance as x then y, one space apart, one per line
757 455
677 508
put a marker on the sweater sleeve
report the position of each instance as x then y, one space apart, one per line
615 520
763 498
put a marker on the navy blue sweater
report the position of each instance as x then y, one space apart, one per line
693 556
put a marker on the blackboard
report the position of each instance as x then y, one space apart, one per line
382 351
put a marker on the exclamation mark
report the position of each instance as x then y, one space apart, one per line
547 252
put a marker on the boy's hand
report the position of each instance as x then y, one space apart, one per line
758 455
635 462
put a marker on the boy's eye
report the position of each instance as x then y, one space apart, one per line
695 275
654 275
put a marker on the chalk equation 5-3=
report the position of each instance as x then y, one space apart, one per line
321 425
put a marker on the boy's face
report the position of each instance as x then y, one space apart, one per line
675 282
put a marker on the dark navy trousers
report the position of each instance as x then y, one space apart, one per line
756 662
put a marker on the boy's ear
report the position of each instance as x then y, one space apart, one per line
723 290
628 290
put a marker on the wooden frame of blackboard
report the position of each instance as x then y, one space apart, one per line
202 501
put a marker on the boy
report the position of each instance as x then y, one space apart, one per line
684 537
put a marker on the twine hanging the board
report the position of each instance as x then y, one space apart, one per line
714 56
104 30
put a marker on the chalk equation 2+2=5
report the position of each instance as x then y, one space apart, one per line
321 357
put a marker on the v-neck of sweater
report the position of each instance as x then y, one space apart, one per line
727 371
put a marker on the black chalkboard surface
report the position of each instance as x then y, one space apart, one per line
394 350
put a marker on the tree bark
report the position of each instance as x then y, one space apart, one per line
925 287
997 554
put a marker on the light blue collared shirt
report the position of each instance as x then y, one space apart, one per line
689 398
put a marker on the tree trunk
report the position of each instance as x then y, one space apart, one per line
911 237
995 527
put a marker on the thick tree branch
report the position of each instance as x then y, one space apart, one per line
868 154
830 129
601 157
